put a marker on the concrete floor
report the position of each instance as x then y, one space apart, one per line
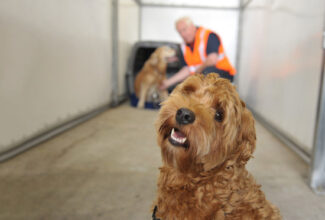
107 168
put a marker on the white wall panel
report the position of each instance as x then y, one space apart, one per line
159 24
280 64
55 62
128 34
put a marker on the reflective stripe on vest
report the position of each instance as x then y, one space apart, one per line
202 46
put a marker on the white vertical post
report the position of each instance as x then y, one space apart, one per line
317 168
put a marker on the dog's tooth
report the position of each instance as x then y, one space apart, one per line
173 135
181 140
177 139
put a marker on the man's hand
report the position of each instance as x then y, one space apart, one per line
178 77
163 85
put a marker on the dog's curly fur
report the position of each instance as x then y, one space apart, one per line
206 178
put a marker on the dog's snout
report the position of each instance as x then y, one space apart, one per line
185 116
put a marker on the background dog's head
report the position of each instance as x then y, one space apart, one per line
161 54
203 124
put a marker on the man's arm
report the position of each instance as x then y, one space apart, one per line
182 74
185 71
211 60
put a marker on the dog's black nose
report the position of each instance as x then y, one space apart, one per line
184 116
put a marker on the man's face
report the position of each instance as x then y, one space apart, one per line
187 31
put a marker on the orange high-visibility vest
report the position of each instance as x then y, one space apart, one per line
196 57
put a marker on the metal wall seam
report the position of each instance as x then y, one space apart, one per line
239 38
140 22
114 70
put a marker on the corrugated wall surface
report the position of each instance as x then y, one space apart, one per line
280 65
55 64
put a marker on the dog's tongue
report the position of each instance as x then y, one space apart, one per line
178 134
172 59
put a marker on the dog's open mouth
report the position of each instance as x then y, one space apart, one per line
177 138
171 59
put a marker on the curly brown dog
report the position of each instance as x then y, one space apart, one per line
206 136
152 74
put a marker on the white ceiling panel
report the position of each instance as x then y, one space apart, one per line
198 3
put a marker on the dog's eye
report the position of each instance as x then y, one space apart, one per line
219 115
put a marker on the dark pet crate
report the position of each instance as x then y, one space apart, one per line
140 53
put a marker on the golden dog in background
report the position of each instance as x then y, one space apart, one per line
207 135
152 74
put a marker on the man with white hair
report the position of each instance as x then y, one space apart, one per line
202 52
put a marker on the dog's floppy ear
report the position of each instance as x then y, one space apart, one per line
247 135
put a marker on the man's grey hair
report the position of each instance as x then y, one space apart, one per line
186 19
